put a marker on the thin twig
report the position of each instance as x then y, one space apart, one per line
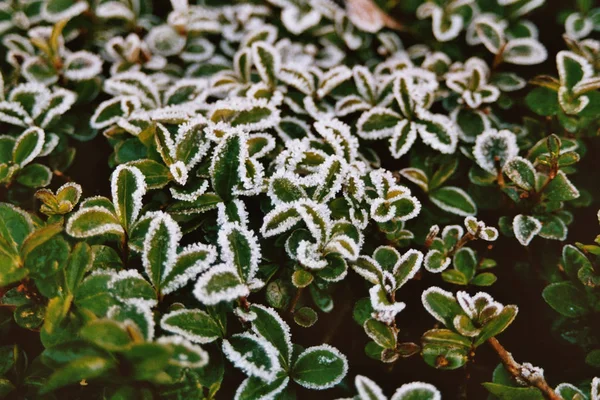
295 300
516 370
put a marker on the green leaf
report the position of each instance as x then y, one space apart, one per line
498 324
491 34
128 186
195 325
453 200
254 388
484 279
319 367
156 175
252 354
444 356
191 261
28 146
130 285
561 189
106 334
329 183
305 317
381 333
147 359
240 247
521 172
302 278
160 248
56 312
455 277
89 367
593 358
525 228
566 299
543 101
572 68
93 221
34 176
441 305
29 316
416 391
271 326
267 61
225 168
202 203
513 393
465 261
220 283
80 261
38 238
443 173
93 294
417 177
377 123
15 225
285 190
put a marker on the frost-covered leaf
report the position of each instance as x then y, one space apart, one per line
220 283
416 176
561 189
128 187
405 134
267 60
254 355
441 305
28 146
274 329
319 367
57 10
256 388
417 391
93 221
367 389
130 285
377 123
81 66
226 165
453 200
165 40
195 325
494 148
525 228
160 248
192 260
491 34
35 176
521 172
332 79
437 131
381 333
524 51
240 249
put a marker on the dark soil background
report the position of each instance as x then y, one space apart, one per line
530 338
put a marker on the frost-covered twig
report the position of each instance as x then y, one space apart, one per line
522 373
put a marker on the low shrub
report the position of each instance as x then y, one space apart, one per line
299 199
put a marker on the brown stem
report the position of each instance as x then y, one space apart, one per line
499 57
125 250
244 303
463 240
515 369
500 178
295 300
